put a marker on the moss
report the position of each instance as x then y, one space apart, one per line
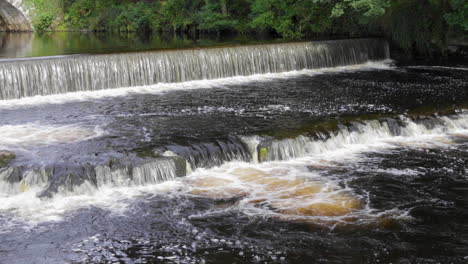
325 126
148 152
23 187
263 154
428 111
6 157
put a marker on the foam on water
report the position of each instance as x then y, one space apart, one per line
26 210
294 189
366 133
297 189
278 190
34 134
167 87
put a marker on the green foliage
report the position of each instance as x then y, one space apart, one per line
418 26
458 14
314 17
279 15
43 22
293 19
44 13
214 16
177 15
79 14
422 33
370 8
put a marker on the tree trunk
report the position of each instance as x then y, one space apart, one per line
224 9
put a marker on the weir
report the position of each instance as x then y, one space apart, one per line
58 75
178 161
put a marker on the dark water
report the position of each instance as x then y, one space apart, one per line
366 164
414 190
178 228
267 108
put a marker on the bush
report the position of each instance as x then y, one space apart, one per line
43 23
44 13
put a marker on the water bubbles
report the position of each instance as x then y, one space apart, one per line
33 134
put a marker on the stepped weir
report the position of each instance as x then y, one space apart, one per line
174 161
57 75
280 152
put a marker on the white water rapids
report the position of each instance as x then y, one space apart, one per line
281 186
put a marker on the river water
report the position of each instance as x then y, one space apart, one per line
23 45
358 163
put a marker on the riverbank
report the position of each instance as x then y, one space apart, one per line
424 35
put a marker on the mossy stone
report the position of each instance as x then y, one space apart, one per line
6 157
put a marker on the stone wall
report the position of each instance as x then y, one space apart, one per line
14 16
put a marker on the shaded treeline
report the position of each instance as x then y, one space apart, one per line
417 26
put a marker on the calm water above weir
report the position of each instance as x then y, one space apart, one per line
21 45
351 160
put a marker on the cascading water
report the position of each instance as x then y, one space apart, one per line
57 75
87 179
360 133
324 164
213 154
178 161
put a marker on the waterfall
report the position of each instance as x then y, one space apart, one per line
359 133
211 154
177 161
57 75
87 179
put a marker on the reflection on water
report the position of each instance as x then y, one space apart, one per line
16 45
19 45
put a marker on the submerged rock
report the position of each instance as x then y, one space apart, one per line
6 157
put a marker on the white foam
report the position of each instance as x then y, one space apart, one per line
167 87
26 210
34 134
335 153
260 199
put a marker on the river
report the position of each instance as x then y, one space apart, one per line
306 152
